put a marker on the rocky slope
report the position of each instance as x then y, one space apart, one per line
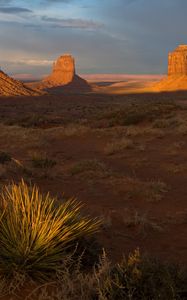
12 87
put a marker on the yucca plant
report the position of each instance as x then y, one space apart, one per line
36 230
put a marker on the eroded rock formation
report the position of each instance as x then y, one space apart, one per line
177 61
63 71
177 71
63 78
12 87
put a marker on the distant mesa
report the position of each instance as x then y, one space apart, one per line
12 87
63 72
177 71
177 62
63 77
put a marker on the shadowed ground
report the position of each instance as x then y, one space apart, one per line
123 156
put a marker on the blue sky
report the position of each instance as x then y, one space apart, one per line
105 36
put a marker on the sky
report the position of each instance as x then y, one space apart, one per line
104 36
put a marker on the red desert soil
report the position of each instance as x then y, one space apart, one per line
132 175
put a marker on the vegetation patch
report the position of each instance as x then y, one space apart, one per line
155 190
35 121
36 231
134 278
40 162
5 157
118 146
137 113
89 165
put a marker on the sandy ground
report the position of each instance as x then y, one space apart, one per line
123 83
139 84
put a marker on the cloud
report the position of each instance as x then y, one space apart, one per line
56 2
33 62
5 2
14 10
60 1
72 23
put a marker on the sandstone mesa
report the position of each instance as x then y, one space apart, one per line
63 71
177 71
63 78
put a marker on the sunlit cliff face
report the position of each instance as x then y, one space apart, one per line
177 61
63 70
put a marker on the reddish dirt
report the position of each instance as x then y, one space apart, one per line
109 196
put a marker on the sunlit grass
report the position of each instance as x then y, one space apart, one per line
36 231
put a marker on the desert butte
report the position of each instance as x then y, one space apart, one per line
63 78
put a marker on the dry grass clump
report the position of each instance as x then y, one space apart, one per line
155 190
182 129
92 166
36 231
137 113
41 161
118 146
34 120
166 123
69 130
142 221
75 130
176 168
134 278
133 131
23 138
150 191
5 157
180 217
175 148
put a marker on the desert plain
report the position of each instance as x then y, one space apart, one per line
117 144
123 156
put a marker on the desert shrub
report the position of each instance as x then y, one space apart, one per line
155 190
137 113
166 123
74 130
36 231
5 157
34 121
88 165
118 146
41 161
182 129
27 121
142 278
143 222
134 278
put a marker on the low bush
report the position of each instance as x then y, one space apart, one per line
4 157
118 146
135 278
36 231
41 161
88 165
141 278
137 113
